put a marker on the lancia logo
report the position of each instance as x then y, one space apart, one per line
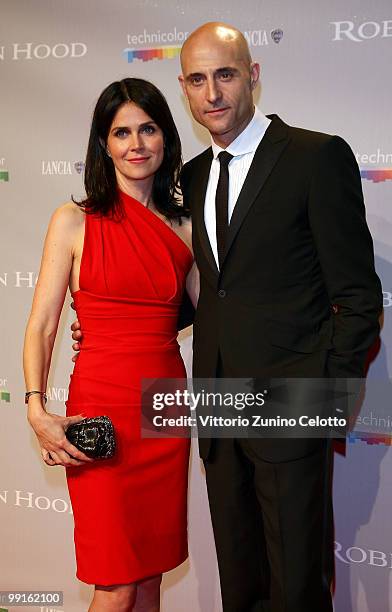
79 166
277 35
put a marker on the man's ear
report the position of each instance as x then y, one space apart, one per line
181 80
254 74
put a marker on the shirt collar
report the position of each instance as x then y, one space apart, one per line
249 139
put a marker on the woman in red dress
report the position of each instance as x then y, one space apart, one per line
125 253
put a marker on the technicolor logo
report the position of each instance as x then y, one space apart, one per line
380 429
377 175
147 55
4 174
5 396
147 46
375 166
373 423
369 438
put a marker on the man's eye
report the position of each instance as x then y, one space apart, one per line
196 80
225 76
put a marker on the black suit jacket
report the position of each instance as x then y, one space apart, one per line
297 294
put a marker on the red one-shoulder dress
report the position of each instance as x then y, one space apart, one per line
130 511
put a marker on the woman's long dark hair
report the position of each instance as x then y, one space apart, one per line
100 178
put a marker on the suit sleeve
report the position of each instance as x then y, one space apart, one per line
345 249
186 313
184 184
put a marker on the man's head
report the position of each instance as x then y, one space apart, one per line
218 78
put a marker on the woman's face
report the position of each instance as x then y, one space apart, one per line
135 144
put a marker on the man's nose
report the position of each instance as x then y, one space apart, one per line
213 92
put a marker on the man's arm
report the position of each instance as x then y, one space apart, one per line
184 184
345 249
186 314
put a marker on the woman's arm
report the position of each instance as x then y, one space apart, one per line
57 259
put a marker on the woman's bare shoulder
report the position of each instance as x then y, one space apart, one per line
66 227
69 215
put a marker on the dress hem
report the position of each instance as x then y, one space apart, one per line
132 579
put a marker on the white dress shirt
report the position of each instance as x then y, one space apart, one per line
243 149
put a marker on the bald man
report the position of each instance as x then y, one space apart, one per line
288 289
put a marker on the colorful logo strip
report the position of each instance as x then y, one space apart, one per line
377 176
369 438
147 55
5 396
4 176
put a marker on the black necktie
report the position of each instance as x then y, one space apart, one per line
221 204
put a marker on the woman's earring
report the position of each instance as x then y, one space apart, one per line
108 152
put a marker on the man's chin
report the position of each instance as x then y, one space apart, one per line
218 127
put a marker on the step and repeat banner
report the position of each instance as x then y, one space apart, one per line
325 66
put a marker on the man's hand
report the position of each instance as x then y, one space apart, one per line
76 335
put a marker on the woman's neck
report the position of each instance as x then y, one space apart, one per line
139 190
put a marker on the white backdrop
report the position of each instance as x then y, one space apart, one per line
325 66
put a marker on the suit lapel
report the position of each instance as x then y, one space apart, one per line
265 158
199 188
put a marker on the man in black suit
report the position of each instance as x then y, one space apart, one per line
288 289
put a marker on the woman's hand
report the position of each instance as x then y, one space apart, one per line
56 449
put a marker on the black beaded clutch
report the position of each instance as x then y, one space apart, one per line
94 436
